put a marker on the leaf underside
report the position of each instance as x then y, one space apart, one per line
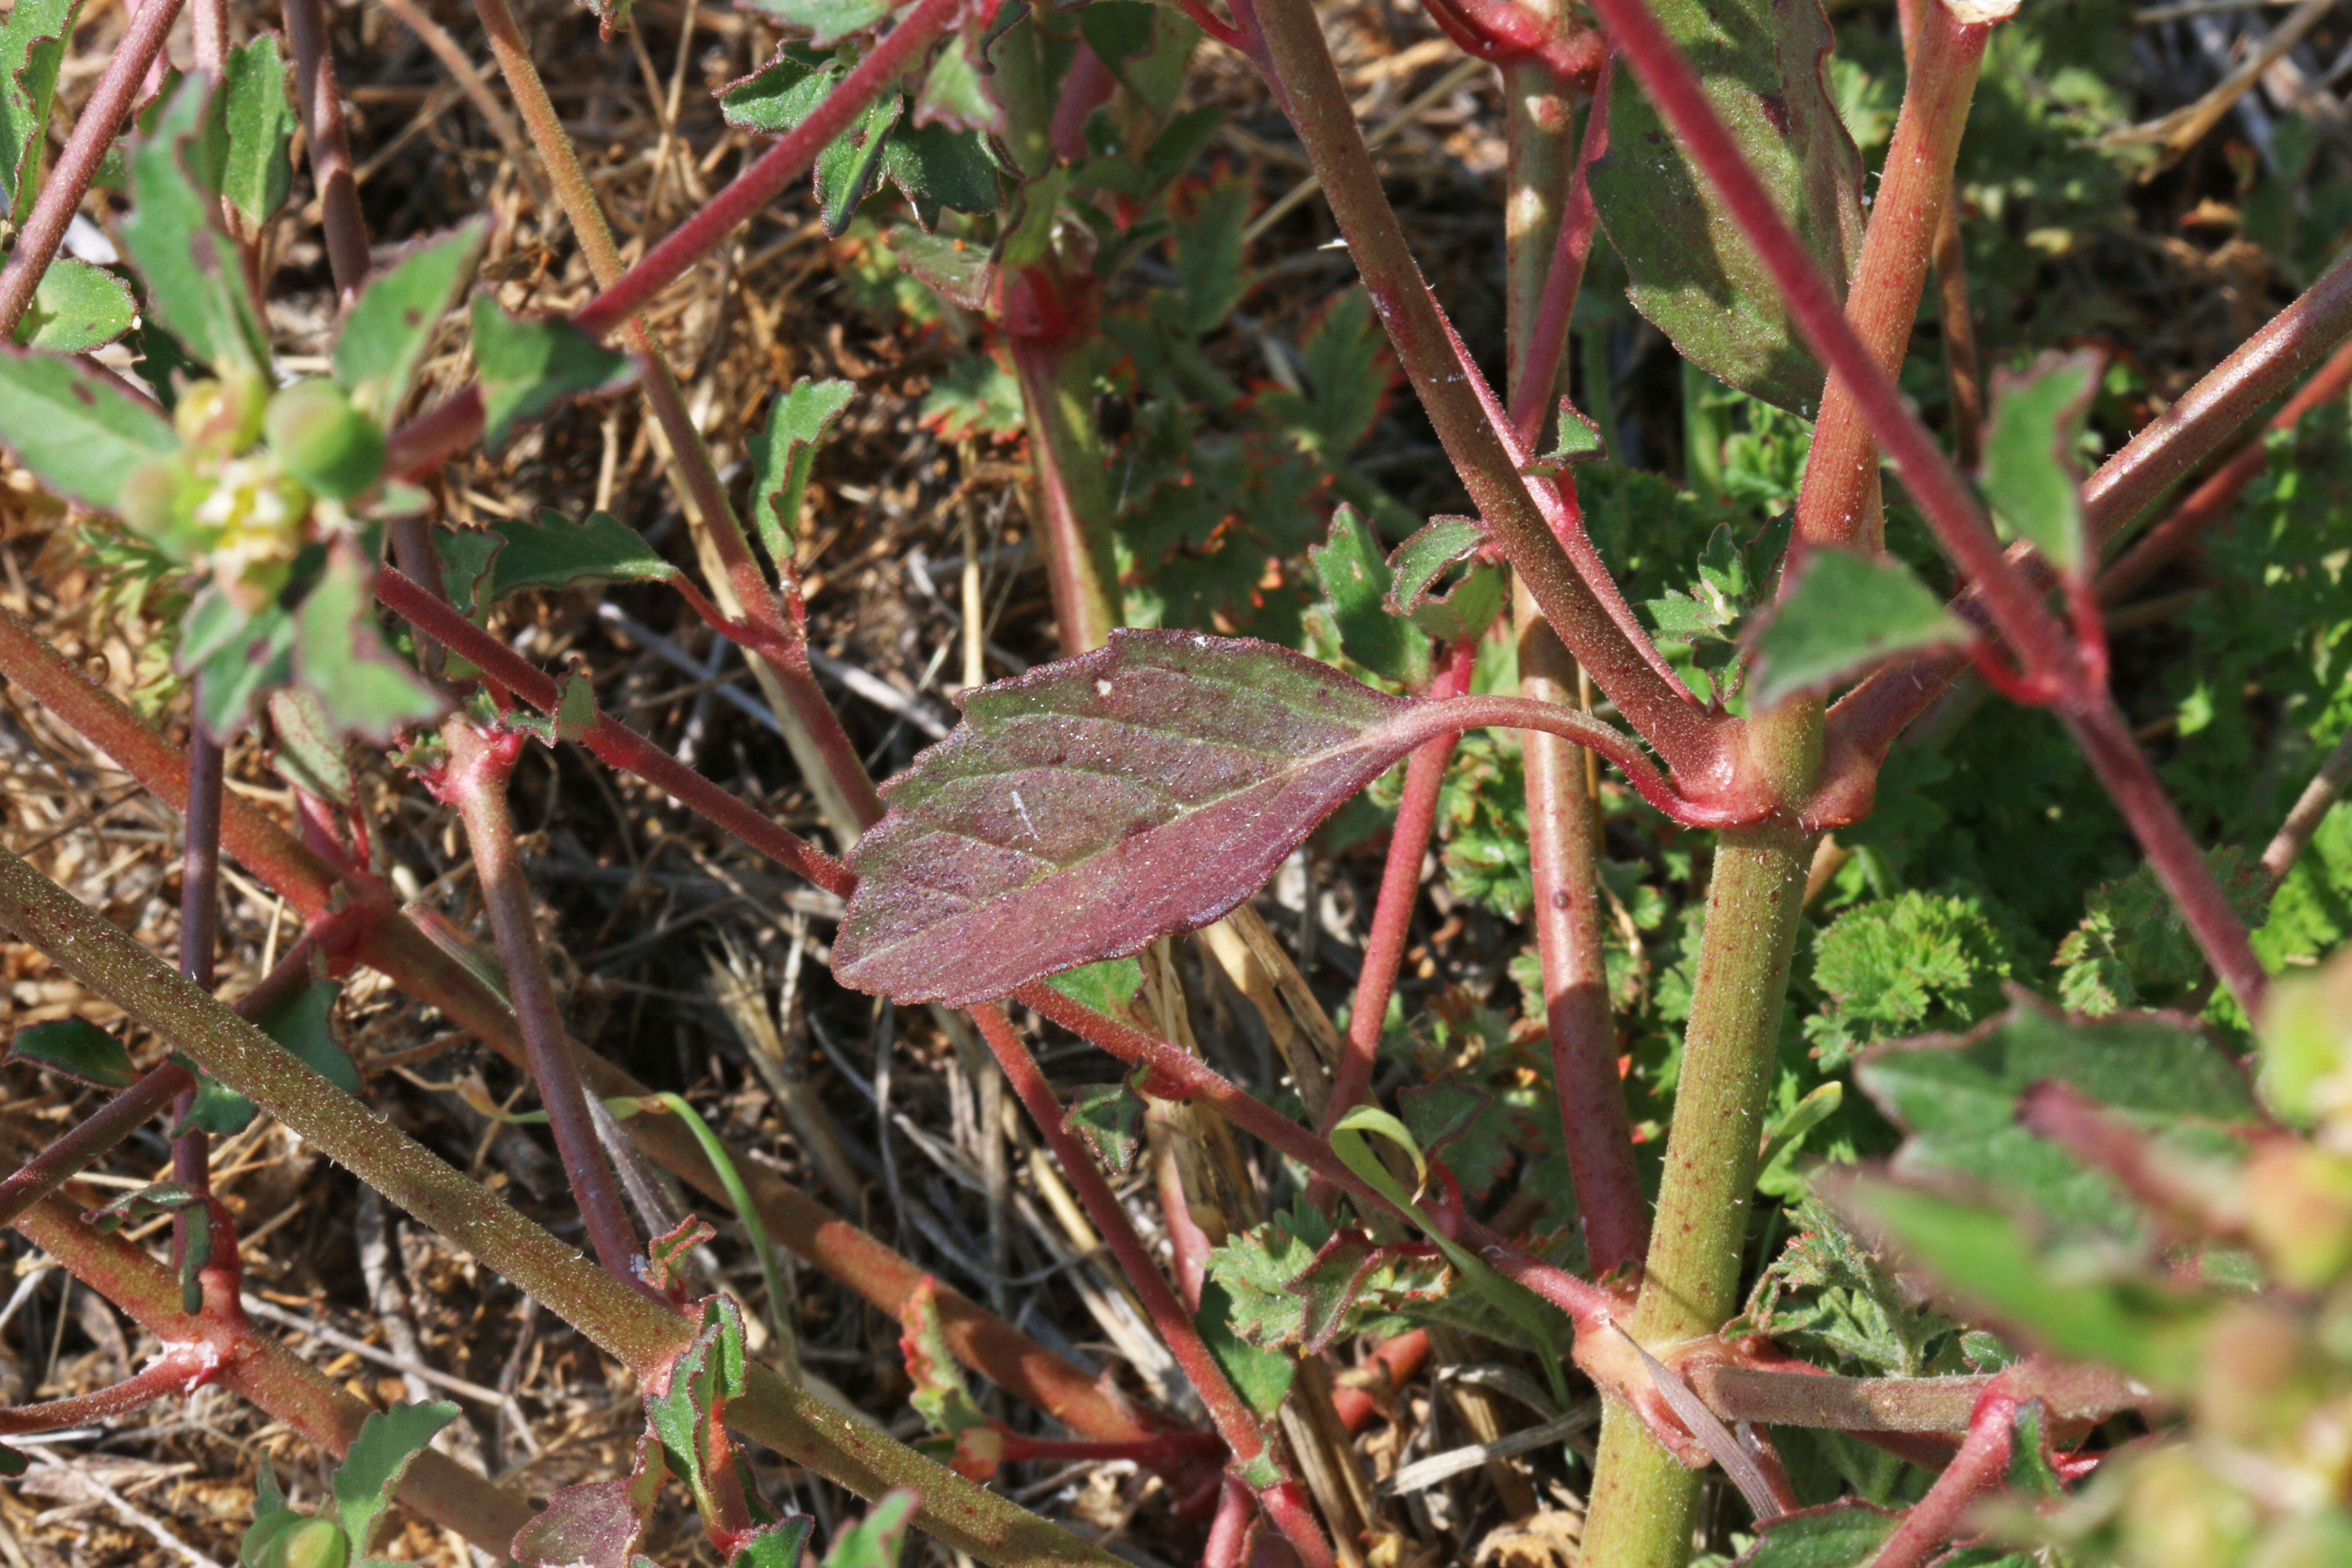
1092 805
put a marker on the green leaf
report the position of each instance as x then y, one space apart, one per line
557 552
937 166
236 658
217 1109
309 754
1895 966
77 1048
1839 1535
1841 613
2030 472
528 367
250 127
1578 441
876 1540
778 1546
847 166
32 47
939 1395
689 1417
1107 987
2306 1034
1694 273
1833 1297
467 556
302 1026
2066 1300
962 275
1350 1277
363 687
1725 590
78 432
827 22
1262 1377
1958 1100
76 308
779 94
1356 585
172 236
1110 1118
955 91
782 457
1469 605
389 1441
392 322
2132 946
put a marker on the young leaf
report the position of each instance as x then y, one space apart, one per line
300 1025
937 166
940 1395
1350 1277
689 1417
389 1441
363 687
1830 1296
2030 472
1107 987
1841 613
1110 1118
782 455
309 754
236 657
847 166
777 1545
1579 441
1958 1100
1469 605
1357 586
528 367
32 47
955 92
1895 966
2133 949
595 1524
76 308
779 94
249 126
1091 805
827 22
1720 597
172 236
467 556
1262 1377
1837 1535
217 1109
77 1048
392 322
79 433
961 274
557 552
1764 70
876 1540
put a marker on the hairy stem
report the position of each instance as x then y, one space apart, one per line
320 107
1074 507
1236 1422
1838 503
1976 1469
1545 206
112 1123
642 1333
1563 842
379 935
102 114
476 778
1308 84
177 1370
1643 1498
1416 823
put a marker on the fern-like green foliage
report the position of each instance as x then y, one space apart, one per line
1903 965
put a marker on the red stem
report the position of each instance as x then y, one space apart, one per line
476 779
322 109
1976 1469
101 117
102 1130
1236 1422
1538 370
611 739
1086 85
1229 1531
778 168
430 439
1416 821
181 1369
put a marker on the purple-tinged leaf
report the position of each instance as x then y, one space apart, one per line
1091 805
1351 1272
597 1523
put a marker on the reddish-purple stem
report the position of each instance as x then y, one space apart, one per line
1087 86
112 1123
1416 822
101 117
1236 1422
2014 602
1538 369
778 168
475 780
322 109
1229 1531
1976 1469
179 1370
430 439
611 741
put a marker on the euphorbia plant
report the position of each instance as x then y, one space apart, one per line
1151 785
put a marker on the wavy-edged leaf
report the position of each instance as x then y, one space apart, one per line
595 1524
32 47
782 454
1089 806
1357 592
77 1048
1467 606
530 367
392 322
389 1441
1841 613
77 306
2030 470
1110 1118
1262 1377
1764 67
955 91
78 432
937 166
172 235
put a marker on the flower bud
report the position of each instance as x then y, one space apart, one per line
220 418
158 500
312 1544
323 441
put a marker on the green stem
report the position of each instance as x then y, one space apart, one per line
644 1334
1642 1499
